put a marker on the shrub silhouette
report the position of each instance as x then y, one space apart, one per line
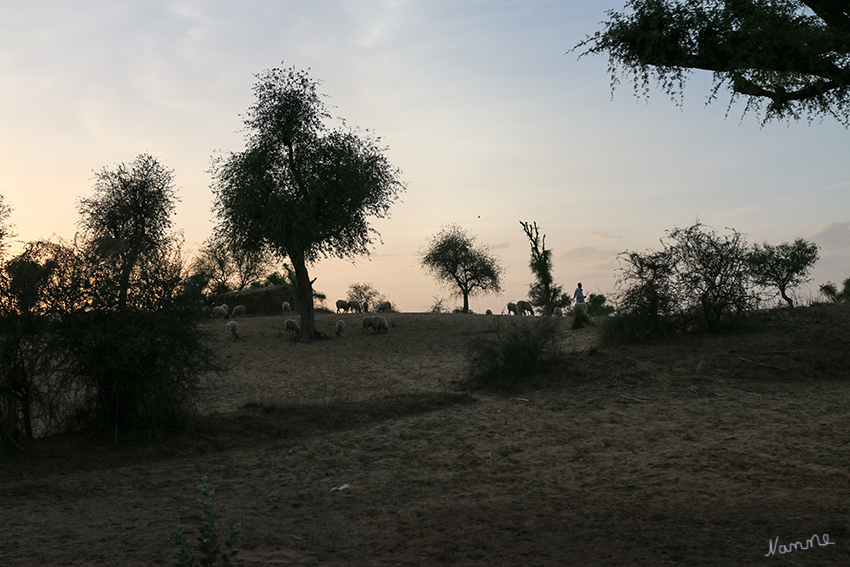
520 349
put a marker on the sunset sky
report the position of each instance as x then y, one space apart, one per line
489 116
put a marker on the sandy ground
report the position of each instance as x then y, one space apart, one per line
696 451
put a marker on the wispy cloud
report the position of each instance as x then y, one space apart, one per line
605 236
588 254
832 236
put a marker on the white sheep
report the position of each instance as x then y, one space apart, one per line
385 306
525 307
558 312
239 310
292 326
340 327
381 325
341 305
354 306
225 307
368 322
512 308
233 328
287 308
219 312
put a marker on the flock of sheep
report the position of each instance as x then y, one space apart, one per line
523 307
375 322
355 306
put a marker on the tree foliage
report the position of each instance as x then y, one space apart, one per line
832 293
792 54
100 332
469 270
596 305
698 280
6 229
543 293
225 268
712 277
301 189
366 294
784 266
127 223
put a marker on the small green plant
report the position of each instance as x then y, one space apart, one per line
207 536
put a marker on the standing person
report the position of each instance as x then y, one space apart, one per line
579 295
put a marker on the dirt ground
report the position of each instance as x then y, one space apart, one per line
695 451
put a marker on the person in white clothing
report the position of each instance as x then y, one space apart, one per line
579 295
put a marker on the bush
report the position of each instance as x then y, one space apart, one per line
580 318
596 306
136 369
830 291
520 350
633 328
699 280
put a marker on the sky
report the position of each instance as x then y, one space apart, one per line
481 104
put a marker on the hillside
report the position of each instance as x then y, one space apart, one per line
693 451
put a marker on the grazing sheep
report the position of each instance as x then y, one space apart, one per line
512 308
287 308
368 322
233 328
488 312
381 325
292 326
239 310
385 306
354 306
340 327
341 305
219 312
558 312
225 307
525 307
365 307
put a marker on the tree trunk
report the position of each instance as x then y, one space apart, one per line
787 299
305 297
465 302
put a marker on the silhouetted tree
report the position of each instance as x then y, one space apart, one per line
831 292
127 221
366 294
228 269
468 270
784 266
543 293
301 189
794 54
6 229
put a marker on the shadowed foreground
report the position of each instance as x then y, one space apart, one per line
696 451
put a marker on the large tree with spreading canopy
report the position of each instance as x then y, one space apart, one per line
793 55
301 189
453 258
